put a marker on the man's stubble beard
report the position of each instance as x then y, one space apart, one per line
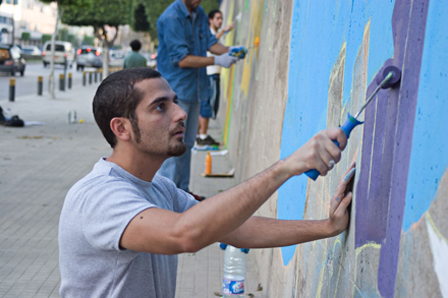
173 150
177 150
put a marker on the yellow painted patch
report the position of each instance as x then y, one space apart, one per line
256 18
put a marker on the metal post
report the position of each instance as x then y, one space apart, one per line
101 74
69 80
90 78
61 82
96 76
83 78
40 85
12 89
65 69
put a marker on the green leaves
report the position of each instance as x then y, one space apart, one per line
97 13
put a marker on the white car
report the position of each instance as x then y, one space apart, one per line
64 53
31 51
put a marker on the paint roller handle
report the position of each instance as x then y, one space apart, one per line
347 128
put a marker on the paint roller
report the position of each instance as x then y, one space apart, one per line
391 75
242 51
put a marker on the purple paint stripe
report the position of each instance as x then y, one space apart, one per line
362 188
415 35
371 208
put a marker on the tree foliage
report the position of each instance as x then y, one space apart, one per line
140 22
99 14
45 38
26 36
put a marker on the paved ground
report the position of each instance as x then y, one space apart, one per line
38 164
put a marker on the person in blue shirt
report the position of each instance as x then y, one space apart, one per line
184 39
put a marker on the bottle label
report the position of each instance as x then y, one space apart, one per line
232 287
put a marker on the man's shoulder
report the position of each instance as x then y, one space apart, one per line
166 183
200 10
99 178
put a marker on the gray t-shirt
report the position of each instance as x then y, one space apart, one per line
96 211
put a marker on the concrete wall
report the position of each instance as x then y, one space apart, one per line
317 61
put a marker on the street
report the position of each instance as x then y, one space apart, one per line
27 84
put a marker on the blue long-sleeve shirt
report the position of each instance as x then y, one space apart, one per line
182 34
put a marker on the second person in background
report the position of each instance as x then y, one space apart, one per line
209 108
184 39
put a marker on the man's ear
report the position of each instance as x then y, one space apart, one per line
122 128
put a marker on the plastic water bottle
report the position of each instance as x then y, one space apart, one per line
234 271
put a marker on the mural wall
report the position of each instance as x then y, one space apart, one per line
317 61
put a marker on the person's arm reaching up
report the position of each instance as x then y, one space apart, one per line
165 232
224 30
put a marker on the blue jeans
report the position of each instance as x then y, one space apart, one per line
209 107
177 169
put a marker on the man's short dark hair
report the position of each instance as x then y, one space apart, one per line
117 97
212 13
136 45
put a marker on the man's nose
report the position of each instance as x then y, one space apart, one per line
180 114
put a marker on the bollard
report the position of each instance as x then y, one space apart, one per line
12 89
83 78
69 80
61 82
40 85
96 75
101 74
90 78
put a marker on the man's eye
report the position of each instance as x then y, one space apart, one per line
160 107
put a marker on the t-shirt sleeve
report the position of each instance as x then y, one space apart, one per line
182 201
107 211
186 201
174 38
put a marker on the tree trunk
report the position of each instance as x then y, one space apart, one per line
53 38
101 34
105 59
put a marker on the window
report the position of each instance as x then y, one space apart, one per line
58 48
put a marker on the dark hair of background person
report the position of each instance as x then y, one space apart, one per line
212 13
136 45
117 97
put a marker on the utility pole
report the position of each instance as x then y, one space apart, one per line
14 2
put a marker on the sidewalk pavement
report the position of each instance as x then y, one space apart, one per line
38 164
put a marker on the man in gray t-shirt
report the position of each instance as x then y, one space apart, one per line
96 211
122 225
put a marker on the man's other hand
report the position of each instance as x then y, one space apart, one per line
225 60
339 216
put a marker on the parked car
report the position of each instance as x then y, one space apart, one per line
151 59
11 60
31 51
64 53
88 56
116 58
